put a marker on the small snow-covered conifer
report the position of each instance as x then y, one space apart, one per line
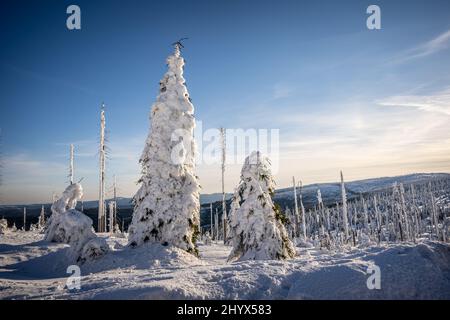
41 221
257 225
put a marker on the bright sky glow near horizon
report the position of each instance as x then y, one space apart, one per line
370 102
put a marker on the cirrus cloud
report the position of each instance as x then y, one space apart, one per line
437 103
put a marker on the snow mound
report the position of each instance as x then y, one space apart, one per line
68 201
67 225
75 228
147 256
93 249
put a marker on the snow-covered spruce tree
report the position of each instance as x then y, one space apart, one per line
166 206
41 220
290 223
257 225
234 207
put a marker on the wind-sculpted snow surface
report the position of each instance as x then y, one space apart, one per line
33 269
167 203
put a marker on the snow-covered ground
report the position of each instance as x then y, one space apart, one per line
33 269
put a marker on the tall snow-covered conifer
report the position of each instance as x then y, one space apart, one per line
166 206
256 226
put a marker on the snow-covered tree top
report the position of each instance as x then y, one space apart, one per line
172 119
172 88
257 167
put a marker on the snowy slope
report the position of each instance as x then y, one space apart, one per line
32 269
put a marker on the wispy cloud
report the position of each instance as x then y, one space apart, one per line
364 139
24 165
282 90
437 103
28 180
441 42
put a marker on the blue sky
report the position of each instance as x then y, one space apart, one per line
370 102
